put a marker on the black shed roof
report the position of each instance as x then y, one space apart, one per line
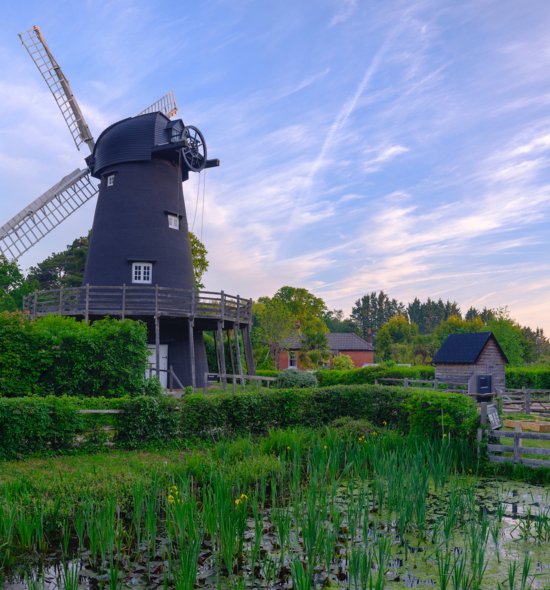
464 349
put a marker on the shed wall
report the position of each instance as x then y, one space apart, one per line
490 362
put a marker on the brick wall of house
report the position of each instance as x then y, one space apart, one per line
359 357
490 362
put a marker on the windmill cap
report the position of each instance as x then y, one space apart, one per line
133 140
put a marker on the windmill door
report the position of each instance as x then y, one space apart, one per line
152 363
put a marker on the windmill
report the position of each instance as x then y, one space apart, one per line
139 263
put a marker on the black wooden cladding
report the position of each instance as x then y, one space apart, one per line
129 300
131 140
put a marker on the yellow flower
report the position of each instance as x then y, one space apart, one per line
244 497
384 423
237 502
325 447
288 448
171 499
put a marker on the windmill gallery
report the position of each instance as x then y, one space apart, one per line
139 264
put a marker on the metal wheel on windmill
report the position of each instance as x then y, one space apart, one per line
139 261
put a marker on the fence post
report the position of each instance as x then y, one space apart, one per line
406 382
479 439
436 384
517 444
528 401
483 413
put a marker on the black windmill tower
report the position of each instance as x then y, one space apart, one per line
139 263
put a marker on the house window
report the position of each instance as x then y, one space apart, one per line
110 180
292 359
142 272
173 221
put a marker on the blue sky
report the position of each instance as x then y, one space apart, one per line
365 145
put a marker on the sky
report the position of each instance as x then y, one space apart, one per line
364 145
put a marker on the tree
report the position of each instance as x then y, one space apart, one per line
429 314
334 319
200 262
396 331
456 325
66 268
373 311
62 269
13 286
304 306
273 325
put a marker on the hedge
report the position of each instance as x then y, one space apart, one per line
46 424
61 356
516 377
370 374
53 424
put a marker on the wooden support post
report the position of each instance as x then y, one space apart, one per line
123 311
248 355
87 310
191 331
406 382
230 346
527 401
238 352
221 365
157 344
234 379
236 327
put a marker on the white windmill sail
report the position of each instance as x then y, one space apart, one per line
44 214
58 84
166 105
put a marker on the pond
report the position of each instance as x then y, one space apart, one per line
366 515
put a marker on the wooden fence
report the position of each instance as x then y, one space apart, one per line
515 451
526 400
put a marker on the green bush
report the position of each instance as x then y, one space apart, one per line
439 414
343 362
295 379
61 356
148 420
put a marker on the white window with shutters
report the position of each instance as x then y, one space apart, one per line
142 273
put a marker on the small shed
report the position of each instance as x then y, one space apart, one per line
476 359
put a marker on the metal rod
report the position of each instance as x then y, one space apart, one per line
157 345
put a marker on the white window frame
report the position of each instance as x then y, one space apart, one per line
110 180
173 221
142 273
292 359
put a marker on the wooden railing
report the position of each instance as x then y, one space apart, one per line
138 300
